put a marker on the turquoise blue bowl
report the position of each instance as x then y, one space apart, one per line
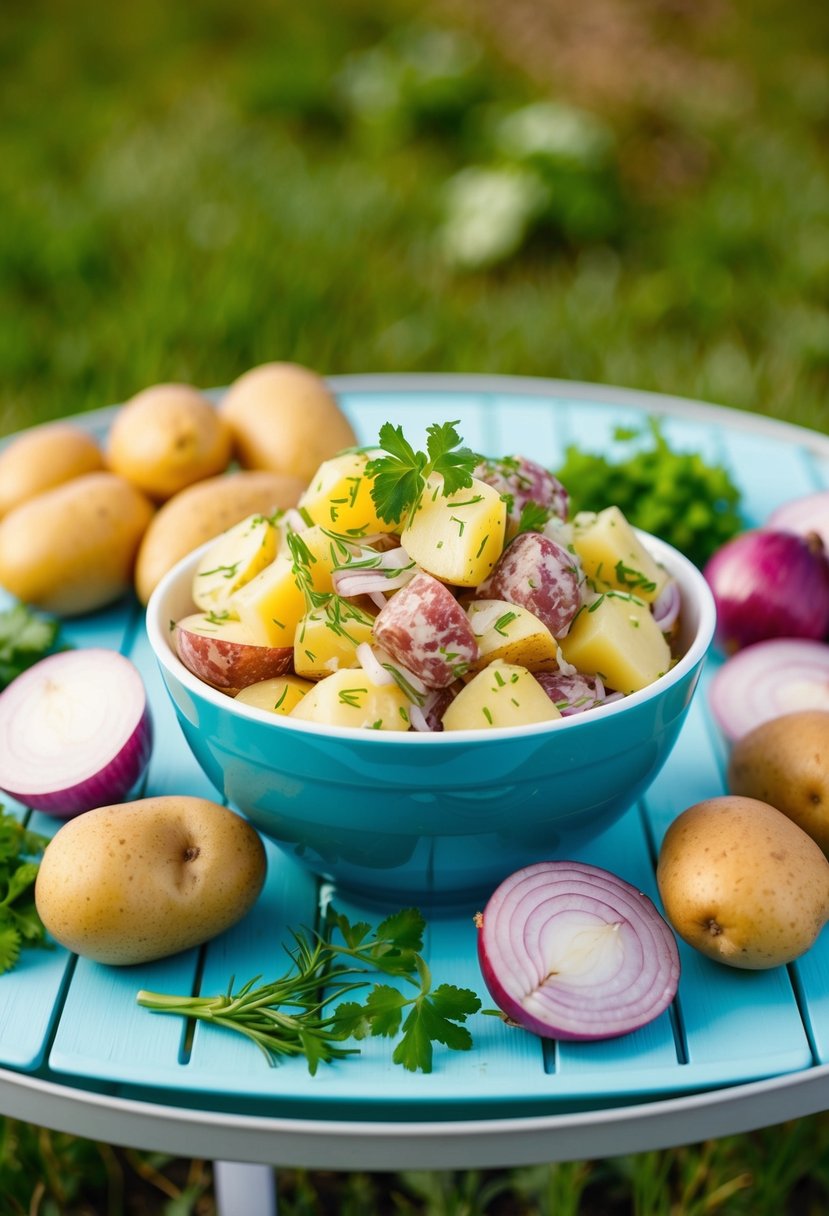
436 818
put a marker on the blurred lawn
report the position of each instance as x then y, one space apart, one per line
626 191
199 188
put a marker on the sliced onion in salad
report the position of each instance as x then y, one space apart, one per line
75 732
667 605
571 951
766 680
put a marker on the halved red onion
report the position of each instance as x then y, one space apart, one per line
571 951
770 678
75 732
769 584
809 513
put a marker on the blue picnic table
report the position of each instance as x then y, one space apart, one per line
737 1050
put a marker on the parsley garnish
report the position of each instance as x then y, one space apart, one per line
20 924
25 638
400 477
290 1015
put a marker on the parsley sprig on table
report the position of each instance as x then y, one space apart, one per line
400 477
25 637
305 1011
20 924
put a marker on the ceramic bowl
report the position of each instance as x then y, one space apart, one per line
432 818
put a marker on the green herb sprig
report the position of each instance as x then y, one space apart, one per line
304 1012
678 496
400 477
20 924
25 637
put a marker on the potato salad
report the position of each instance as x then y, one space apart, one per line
429 591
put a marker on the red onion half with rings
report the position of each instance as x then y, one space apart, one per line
571 951
75 732
769 584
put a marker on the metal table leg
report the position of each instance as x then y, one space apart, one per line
243 1189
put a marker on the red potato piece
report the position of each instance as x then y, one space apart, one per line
222 654
541 575
424 628
571 694
524 481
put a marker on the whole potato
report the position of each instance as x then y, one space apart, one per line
285 418
142 880
203 511
167 437
785 761
45 457
72 549
743 884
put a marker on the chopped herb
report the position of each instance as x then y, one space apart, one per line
350 696
533 517
487 714
507 618
459 522
281 698
225 571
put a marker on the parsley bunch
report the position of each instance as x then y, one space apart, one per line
20 924
677 496
304 1012
25 637
400 477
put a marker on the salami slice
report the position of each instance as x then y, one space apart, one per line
538 573
424 628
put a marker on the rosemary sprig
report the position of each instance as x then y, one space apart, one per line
304 1013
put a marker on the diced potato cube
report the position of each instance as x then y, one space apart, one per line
232 560
278 696
327 639
457 538
613 557
339 497
271 604
617 638
349 698
503 694
513 634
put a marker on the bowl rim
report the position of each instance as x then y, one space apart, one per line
668 556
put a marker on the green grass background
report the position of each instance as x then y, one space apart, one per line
624 191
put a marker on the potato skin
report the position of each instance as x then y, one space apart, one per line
167 437
285 418
743 884
202 512
785 761
43 458
72 549
142 880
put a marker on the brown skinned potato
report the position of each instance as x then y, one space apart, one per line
167 437
72 549
202 512
785 761
285 418
142 880
43 458
743 884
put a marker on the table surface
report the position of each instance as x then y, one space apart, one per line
736 1050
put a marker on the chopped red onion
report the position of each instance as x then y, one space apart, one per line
666 606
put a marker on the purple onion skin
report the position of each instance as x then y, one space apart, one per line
109 785
769 584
